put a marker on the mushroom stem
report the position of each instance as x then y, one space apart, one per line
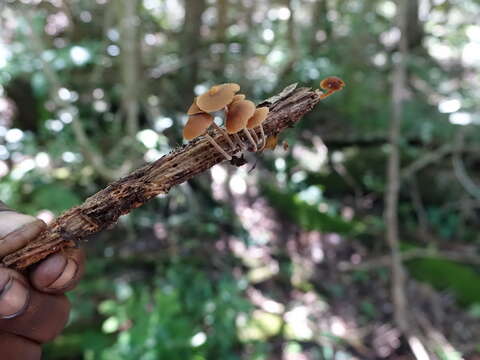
249 137
264 139
240 142
214 143
255 137
225 134
325 95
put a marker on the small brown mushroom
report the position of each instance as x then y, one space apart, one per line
197 125
331 85
237 119
217 97
256 120
238 97
194 109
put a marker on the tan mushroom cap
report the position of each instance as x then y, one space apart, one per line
233 86
197 125
217 97
238 115
194 109
258 117
238 97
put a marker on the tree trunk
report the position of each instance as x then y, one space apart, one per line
191 46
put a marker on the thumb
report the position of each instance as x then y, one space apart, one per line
16 230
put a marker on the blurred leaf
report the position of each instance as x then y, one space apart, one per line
55 197
462 280
305 215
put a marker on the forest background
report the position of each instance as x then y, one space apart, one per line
358 237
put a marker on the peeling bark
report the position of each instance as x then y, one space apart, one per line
103 209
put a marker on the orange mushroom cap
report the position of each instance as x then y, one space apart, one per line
258 117
194 109
238 115
197 125
217 97
332 83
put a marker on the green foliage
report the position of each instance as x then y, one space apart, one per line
180 314
461 280
55 197
307 216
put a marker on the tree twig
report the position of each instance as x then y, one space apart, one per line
393 176
427 159
103 209
459 168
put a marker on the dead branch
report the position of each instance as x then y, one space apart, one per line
459 168
398 276
103 209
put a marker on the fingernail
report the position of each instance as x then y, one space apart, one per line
14 298
16 230
11 221
66 277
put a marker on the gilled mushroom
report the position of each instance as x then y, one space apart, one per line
215 99
197 125
237 119
331 85
194 109
256 120
238 97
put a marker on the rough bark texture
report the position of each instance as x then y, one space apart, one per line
103 209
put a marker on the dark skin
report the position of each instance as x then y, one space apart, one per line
33 306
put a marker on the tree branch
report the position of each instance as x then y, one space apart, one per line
103 209
459 168
393 176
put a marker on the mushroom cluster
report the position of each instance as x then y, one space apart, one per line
241 116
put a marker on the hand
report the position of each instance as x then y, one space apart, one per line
33 307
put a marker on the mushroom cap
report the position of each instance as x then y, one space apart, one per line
238 97
233 86
217 97
238 115
258 117
332 83
194 109
197 125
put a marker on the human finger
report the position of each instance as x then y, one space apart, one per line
19 348
27 312
16 230
60 272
